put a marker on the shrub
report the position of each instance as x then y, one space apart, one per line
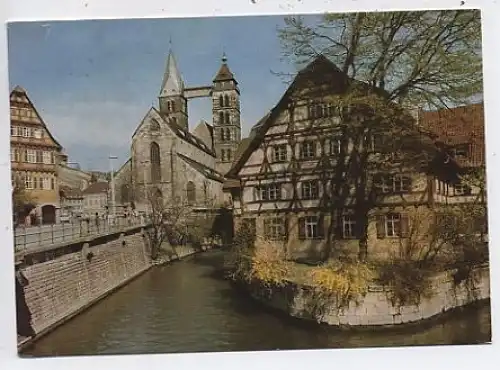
343 282
408 282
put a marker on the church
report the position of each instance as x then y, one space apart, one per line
169 160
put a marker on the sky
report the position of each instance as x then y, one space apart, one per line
93 81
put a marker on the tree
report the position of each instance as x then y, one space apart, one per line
175 223
418 57
22 202
386 63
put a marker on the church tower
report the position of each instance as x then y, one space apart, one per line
226 117
172 101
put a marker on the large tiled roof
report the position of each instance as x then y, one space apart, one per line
96 188
460 125
208 172
186 135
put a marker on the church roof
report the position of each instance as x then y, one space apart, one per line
172 83
186 135
224 73
208 172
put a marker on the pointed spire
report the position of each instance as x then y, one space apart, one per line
172 80
224 73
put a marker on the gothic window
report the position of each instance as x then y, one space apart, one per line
173 107
155 163
222 155
229 154
227 118
169 106
191 193
221 118
228 134
226 100
222 136
221 101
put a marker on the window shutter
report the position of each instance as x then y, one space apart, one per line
405 225
321 227
302 228
380 227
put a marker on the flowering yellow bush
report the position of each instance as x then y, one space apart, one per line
268 263
345 281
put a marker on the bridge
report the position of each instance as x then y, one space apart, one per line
28 238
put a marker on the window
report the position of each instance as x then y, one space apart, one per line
280 153
393 183
228 134
226 100
12 155
47 158
221 118
310 227
228 120
39 156
307 150
46 183
52 158
221 101
223 155
334 146
275 228
229 154
191 192
269 192
392 225
31 156
28 182
322 110
155 163
26 132
462 189
348 227
310 189
222 136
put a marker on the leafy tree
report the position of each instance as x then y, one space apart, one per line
386 63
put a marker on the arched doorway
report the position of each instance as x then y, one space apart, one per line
48 214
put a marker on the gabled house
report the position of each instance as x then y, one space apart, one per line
35 154
317 177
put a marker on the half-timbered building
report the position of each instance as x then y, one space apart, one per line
35 155
292 178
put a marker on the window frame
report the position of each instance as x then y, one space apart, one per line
311 149
310 186
280 153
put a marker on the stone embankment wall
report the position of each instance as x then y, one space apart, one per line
376 307
63 280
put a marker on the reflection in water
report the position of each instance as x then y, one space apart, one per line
184 307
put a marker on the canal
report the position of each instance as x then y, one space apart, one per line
186 307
